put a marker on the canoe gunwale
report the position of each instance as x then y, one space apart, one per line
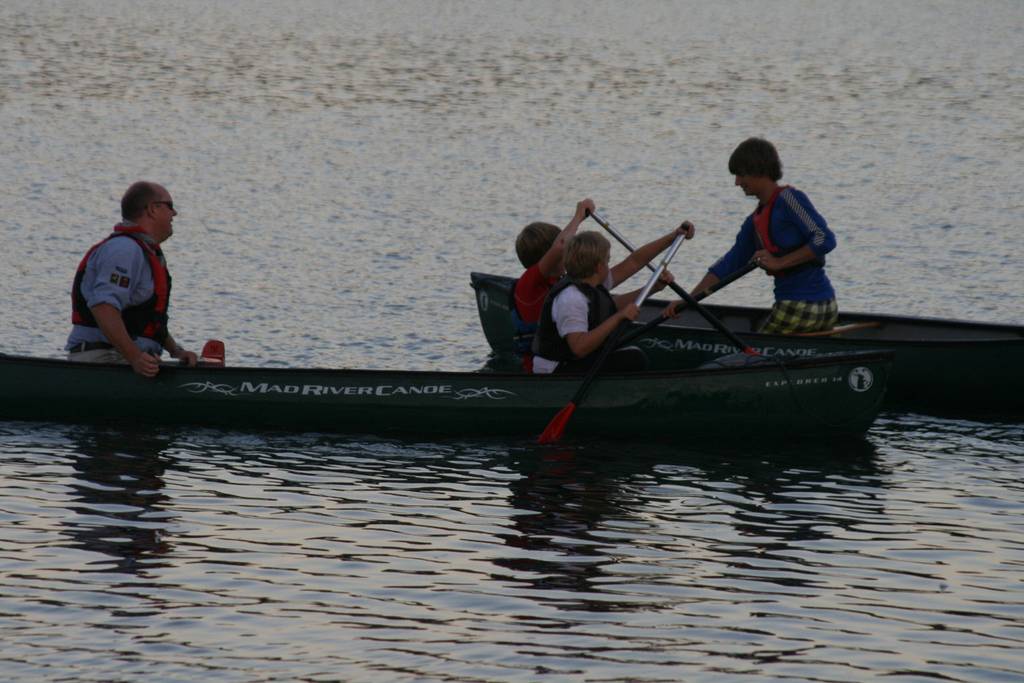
1011 331
771 363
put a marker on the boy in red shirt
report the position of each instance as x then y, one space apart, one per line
541 248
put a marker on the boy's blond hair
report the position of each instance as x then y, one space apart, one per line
584 253
534 241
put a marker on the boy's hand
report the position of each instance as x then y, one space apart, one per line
584 208
630 312
673 309
664 281
686 228
764 259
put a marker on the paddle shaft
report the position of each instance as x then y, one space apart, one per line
650 325
690 301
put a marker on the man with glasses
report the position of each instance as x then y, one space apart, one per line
122 289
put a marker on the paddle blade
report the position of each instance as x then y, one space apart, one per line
213 352
553 432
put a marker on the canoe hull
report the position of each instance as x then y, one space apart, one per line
816 397
939 365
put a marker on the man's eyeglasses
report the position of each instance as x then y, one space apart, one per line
169 205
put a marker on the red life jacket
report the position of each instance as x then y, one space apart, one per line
763 222
762 228
148 319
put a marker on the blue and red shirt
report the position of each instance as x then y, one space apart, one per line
793 223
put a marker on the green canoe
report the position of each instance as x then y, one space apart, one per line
807 397
939 365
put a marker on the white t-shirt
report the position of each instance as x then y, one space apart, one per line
571 312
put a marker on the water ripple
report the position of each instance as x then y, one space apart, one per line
235 554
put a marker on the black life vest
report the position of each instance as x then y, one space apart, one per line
763 233
547 343
148 319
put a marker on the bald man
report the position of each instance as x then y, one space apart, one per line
122 288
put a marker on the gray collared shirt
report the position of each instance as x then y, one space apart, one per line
117 273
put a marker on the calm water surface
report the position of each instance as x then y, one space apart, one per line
240 557
340 168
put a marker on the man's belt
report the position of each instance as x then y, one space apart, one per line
89 346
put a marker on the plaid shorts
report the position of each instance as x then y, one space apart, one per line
789 317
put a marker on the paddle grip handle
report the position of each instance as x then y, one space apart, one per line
669 255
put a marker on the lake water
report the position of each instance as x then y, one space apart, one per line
340 168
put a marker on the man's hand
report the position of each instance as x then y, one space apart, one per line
188 358
109 320
145 364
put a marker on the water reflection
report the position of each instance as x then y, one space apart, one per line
750 513
812 489
120 501
389 555
782 506
564 497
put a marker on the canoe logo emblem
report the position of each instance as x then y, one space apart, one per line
440 390
485 392
484 300
861 379
202 387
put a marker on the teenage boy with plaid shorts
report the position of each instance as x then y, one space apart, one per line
787 238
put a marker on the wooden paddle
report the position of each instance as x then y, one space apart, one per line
690 301
553 432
